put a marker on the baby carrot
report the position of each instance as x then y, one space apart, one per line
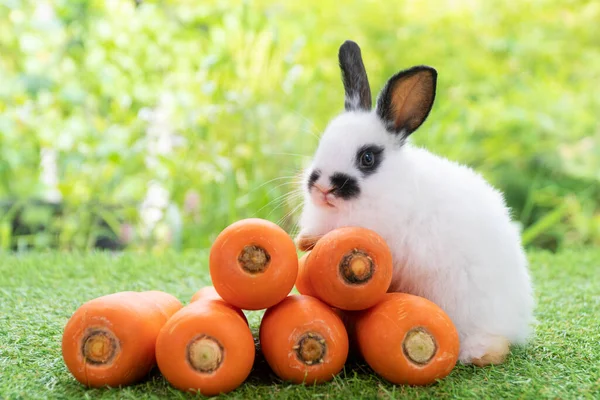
253 264
303 281
303 340
407 339
350 268
110 340
205 347
208 293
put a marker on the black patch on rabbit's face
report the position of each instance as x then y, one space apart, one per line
369 158
344 186
314 176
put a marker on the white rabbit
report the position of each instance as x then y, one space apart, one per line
450 232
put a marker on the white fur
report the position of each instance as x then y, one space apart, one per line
450 232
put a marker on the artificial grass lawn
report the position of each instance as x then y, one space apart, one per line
38 293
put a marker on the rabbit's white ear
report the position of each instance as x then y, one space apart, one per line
354 76
405 101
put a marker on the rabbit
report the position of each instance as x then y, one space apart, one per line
449 231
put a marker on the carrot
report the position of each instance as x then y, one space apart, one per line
208 293
205 347
253 264
350 268
349 318
110 340
303 285
407 339
167 303
303 340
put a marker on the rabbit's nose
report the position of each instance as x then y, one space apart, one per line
322 189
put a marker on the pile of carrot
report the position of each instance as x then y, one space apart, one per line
206 346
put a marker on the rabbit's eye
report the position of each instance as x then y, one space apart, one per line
367 159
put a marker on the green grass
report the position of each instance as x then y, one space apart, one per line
39 292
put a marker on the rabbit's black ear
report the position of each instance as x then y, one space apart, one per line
405 101
354 76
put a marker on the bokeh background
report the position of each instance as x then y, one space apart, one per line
151 125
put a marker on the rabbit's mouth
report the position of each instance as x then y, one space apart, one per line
323 197
341 187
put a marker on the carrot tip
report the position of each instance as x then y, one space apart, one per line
311 348
419 346
356 267
254 259
205 354
99 347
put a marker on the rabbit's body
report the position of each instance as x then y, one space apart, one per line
450 232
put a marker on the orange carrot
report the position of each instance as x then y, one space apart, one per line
350 268
253 264
208 293
407 339
110 340
303 285
303 340
349 318
205 347
167 303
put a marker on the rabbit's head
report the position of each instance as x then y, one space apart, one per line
359 155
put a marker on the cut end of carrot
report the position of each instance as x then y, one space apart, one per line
311 348
356 267
205 354
419 346
99 347
254 259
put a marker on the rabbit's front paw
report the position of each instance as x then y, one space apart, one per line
484 350
306 242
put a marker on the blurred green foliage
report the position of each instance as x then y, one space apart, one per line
220 103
